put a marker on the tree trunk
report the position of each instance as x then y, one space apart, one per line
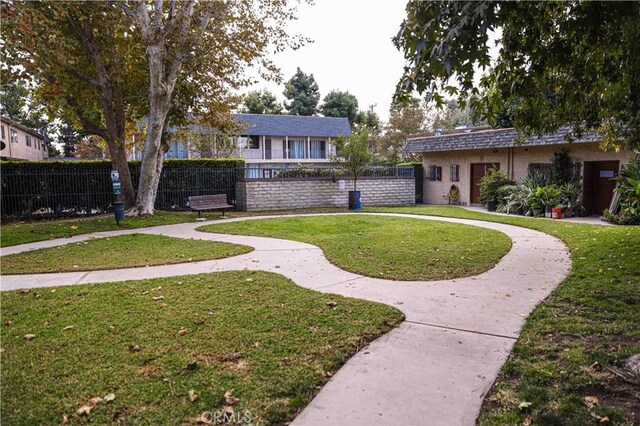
153 154
150 170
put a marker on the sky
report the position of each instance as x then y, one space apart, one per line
352 50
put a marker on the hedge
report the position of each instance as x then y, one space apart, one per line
134 166
71 188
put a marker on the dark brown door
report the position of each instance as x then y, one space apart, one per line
603 184
267 149
477 173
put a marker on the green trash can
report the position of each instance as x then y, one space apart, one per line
118 211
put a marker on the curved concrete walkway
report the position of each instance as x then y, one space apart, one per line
435 368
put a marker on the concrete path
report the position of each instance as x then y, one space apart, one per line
588 220
434 369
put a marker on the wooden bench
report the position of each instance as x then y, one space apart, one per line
202 203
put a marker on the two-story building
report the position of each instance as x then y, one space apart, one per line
18 142
272 141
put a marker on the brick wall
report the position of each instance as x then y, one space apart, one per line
280 194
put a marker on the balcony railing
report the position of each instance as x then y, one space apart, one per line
279 154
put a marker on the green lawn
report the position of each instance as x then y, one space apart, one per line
123 251
27 232
573 343
387 247
256 333
15 233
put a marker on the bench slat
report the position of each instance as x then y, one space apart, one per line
209 202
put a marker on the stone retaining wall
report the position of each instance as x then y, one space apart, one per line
280 194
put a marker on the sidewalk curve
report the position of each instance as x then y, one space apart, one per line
434 369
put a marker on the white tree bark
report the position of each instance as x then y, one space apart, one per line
164 70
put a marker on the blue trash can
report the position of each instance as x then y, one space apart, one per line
118 211
355 200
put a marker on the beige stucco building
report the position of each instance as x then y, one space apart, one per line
21 143
462 159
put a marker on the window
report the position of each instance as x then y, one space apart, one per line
541 168
318 149
249 142
14 135
27 139
44 147
435 173
297 148
455 173
2 132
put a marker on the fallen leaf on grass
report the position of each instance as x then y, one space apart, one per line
228 409
95 400
84 410
134 348
601 419
156 289
591 401
332 304
158 298
29 336
110 397
65 418
183 331
249 280
524 405
73 227
144 292
69 327
229 398
193 396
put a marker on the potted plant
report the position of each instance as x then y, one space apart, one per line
490 185
355 157
550 197
569 195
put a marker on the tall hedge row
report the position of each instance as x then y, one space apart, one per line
73 188
134 166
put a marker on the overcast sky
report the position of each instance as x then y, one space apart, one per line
352 50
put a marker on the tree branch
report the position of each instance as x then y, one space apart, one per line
87 124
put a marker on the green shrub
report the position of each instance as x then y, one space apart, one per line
629 192
490 185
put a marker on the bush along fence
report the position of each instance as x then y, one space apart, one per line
83 188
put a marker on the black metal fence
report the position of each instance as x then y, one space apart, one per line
324 172
48 194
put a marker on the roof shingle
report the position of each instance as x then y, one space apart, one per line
293 125
488 139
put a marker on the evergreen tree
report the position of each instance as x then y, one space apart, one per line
303 94
340 104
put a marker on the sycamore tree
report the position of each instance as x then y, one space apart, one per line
199 49
575 63
261 102
83 64
303 94
340 104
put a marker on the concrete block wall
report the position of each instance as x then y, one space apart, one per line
280 194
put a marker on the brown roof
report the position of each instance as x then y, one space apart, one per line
488 139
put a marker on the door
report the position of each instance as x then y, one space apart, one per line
477 172
598 188
267 149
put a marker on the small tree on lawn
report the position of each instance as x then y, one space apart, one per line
354 153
